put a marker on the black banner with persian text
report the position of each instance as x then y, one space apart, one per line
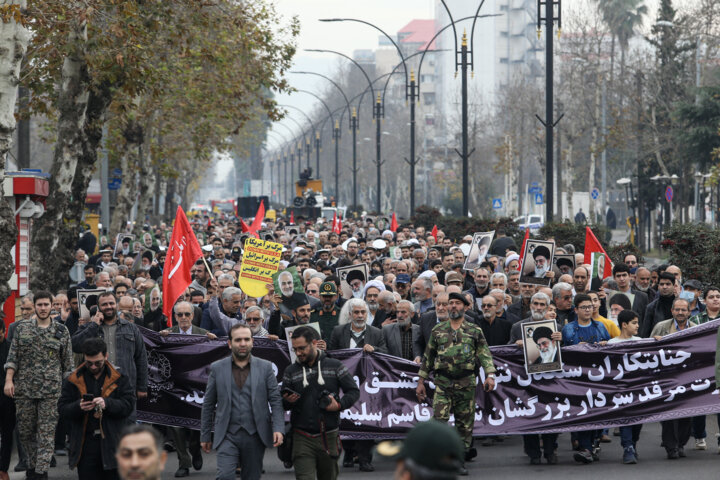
599 387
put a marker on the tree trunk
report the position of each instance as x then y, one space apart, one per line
13 44
146 189
124 200
593 152
47 248
569 186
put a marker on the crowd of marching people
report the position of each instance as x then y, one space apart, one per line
74 372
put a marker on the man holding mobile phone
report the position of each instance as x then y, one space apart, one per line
96 400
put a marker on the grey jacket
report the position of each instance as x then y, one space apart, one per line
393 340
129 346
218 401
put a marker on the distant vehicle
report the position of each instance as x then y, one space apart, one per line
329 212
532 221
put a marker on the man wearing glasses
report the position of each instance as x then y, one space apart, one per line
455 351
185 437
585 330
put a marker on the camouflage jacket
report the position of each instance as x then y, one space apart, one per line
452 354
41 358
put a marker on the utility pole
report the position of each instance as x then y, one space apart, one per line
546 13
354 126
336 139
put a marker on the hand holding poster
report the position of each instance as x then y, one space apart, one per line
478 250
260 261
542 353
537 262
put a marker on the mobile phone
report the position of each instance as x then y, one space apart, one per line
87 397
289 391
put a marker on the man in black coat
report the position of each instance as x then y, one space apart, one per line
356 333
95 424
621 275
659 309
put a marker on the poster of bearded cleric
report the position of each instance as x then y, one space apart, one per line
542 353
537 263
352 280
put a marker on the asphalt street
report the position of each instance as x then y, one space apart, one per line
506 460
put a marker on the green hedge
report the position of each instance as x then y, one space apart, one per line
695 248
570 232
458 227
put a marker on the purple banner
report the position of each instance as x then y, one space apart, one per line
599 387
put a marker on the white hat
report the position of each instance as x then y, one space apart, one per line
427 274
510 258
345 243
379 244
373 283
387 232
297 249
465 249
207 248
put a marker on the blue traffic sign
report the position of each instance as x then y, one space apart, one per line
497 203
595 193
116 172
114 184
669 193
539 199
534 188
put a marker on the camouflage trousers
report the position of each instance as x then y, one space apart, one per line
36 422
461 403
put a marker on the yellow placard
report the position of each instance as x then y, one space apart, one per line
260 261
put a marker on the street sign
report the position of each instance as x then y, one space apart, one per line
595 193
497 203
115 179
534 188
539 199
669 193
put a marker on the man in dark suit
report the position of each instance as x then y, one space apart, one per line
402 336
184 437
354 332
238 391
621 275
428 321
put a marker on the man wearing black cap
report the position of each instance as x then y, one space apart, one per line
455 351
431 450
327 316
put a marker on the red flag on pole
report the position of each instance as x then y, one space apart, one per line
292 217
522 250
183 252
592 244
434 232
393 223
334 223
256 224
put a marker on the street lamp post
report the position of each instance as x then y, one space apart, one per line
377 115
336 132
549 16
463 64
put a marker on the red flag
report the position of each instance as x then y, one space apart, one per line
183 252
522 250
292 217
393 224
259 217
592 244
434 232
337 224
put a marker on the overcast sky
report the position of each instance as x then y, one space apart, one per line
390 15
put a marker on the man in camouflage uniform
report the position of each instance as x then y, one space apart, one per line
455 349
40 357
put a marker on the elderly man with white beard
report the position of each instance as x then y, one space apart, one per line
353 331
531 443
401 336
